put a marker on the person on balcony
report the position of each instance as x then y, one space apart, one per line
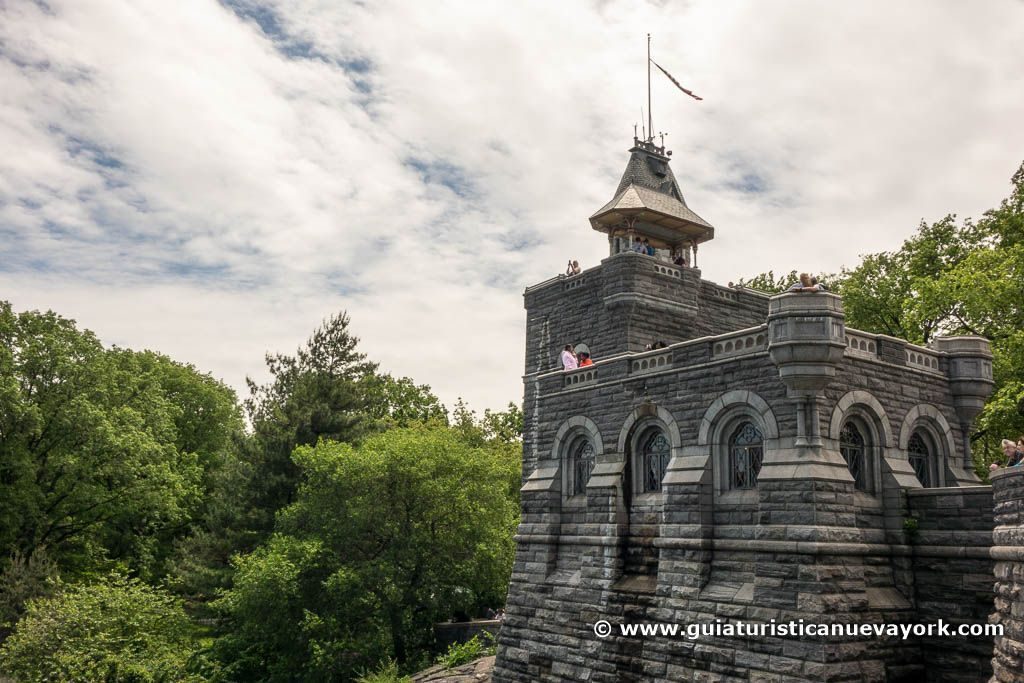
1014 455
806 284
573 268
569 361
585 360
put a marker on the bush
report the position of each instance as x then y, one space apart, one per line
23 578
119 631
464 653
387 672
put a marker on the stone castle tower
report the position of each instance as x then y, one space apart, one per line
766 463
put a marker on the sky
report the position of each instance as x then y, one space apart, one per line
213 179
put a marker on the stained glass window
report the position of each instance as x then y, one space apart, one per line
919 455
852 447
582 459
654 450
746 451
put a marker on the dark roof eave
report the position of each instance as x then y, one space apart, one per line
605 221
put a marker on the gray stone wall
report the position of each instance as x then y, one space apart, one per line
953 576
804 544
1008 552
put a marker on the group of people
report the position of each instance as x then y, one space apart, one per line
644 247
655 346
1014 453
807 283
572 360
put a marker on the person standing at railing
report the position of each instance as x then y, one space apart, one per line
1013 452
806 284
569 361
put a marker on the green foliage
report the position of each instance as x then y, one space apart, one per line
387 672
952 278
504 427
401 402
103 451
119 630
911 527
767 282
383 540
322 392
463 653
23 578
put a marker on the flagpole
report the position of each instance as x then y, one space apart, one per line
650 118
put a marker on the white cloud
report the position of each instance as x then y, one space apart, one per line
181 180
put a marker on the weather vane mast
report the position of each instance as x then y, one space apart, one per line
649 132
650 117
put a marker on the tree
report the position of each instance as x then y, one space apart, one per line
384 539
102 452
401 402
952 278
322 392
496 427
117 630
767 282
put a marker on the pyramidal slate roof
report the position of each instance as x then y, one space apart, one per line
651 170
649 196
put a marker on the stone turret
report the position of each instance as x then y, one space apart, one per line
806 341
970 380
648 204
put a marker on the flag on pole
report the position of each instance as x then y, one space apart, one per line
688 92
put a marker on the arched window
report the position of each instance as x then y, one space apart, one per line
920 456
854 451
746 451
654 456
581 463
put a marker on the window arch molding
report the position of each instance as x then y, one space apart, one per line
927 418
863 404
865 412
568 435
637 427
730 404
723 417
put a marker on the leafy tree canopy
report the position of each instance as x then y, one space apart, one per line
323 391
118 630
102 451
951 277
401 402
383 539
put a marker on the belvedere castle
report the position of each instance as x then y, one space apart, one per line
767 463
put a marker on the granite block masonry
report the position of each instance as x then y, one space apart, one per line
760 462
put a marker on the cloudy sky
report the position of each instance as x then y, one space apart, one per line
212 179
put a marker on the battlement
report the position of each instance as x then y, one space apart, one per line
629 301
